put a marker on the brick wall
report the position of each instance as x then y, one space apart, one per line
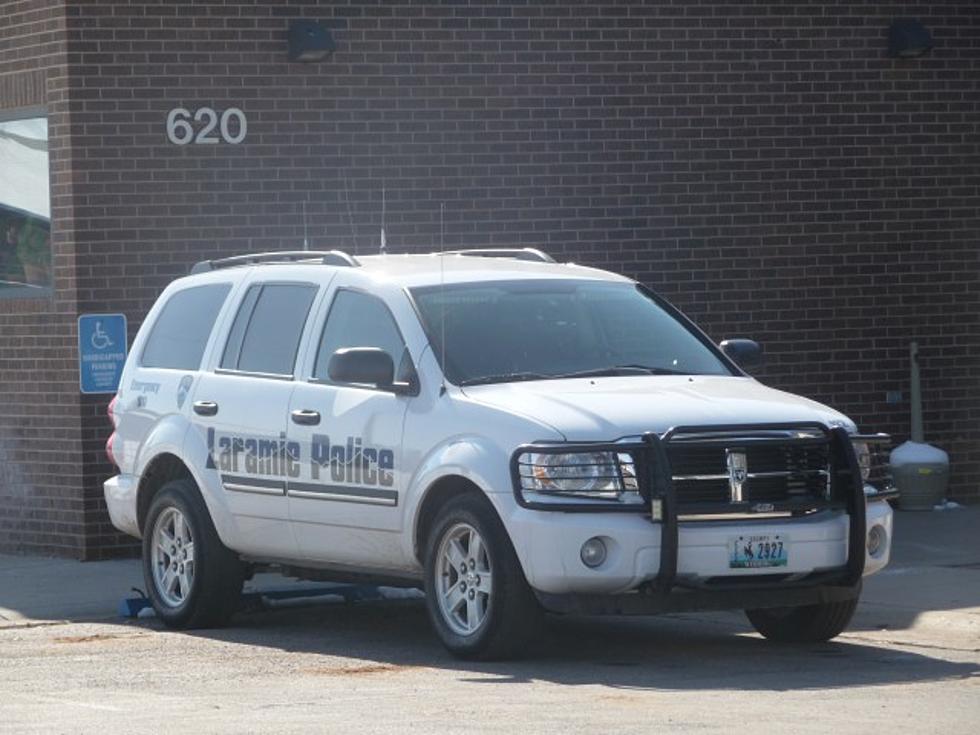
42 502
766 166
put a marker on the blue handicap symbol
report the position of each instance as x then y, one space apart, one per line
102 350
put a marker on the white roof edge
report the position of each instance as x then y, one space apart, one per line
421 269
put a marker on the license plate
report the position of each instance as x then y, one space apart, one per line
752 552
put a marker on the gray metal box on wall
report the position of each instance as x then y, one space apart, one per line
921 474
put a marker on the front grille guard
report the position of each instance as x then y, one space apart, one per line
660 496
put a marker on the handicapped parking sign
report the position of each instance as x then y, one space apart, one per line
101 351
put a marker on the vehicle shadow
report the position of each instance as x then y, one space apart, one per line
666 653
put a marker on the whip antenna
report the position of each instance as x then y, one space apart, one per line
350 215
442 290
306 228
384 245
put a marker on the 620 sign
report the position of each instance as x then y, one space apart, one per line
231 126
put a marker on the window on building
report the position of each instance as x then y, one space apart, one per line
265 335
359 320
25 205
180 334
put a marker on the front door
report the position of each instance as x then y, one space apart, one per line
346 506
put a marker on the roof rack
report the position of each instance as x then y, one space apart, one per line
326 257
518 253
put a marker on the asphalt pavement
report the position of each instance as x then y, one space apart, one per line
909 663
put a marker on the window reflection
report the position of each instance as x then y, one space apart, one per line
25 207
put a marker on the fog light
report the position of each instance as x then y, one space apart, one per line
593 552
877 538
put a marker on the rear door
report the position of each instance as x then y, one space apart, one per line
347 500
240 407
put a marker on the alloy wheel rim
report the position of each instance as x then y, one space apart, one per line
173 557
464 579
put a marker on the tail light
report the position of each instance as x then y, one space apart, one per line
111 411
108 449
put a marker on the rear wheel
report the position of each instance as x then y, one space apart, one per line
478 599
804 624
192 579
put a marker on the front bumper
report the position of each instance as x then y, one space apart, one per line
553 541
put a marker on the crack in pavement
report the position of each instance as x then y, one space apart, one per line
910 644
36 624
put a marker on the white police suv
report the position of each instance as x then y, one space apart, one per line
513 434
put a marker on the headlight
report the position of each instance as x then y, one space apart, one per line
863 452
598 476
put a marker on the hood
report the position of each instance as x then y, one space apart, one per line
610 408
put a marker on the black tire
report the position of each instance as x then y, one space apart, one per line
218 574
805 624
512 613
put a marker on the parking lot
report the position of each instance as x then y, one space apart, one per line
910 663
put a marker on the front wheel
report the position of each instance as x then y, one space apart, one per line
193 580
478 599
803 624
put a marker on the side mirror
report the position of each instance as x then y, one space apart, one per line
743 352
366 365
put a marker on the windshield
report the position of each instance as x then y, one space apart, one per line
505 331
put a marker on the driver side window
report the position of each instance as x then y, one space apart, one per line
359 320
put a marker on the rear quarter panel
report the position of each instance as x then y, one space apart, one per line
153 406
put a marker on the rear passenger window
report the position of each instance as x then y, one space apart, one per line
359 320
179 335
265 335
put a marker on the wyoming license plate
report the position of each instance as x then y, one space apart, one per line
751 552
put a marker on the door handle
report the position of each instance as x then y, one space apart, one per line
205 408
305 417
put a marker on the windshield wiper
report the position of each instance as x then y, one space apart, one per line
592 373
621 370
504 378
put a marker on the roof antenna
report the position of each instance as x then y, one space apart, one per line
350 215
442 291
384 245
306 227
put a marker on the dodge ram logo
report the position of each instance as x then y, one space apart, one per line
738 473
